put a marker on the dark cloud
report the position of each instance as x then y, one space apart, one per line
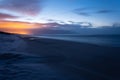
30 7
7 16
89 11
82 11
81 28
104 11
50 20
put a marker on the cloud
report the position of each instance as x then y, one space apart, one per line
81 28
6 16
89 11
55 21
70 25
104 11
86 24
116 25
29 7
82 11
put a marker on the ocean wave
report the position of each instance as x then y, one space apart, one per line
23 66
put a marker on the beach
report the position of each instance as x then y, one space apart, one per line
51 59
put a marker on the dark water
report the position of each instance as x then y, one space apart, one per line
107 40
16 64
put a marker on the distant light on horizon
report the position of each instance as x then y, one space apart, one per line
26 32
18 27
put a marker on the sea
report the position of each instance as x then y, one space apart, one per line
104 40
16 64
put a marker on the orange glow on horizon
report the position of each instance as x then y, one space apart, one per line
18 27
18 31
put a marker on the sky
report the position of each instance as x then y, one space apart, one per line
98 12
35 14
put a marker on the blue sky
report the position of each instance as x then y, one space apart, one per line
97 12
100 12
